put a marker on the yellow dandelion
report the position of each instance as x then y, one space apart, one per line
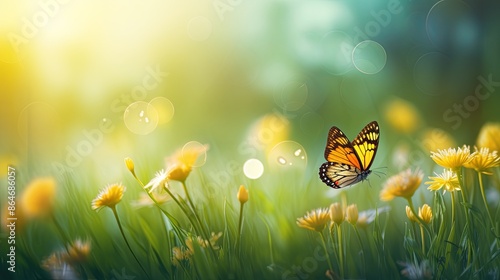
203 243
242 195
410 215
482 160
78 252
352 214
109 197
179 255
180 164
447 180
403 184
402 115
452 158
314 220
434 139
425 213
130 165
337 213
489 137
268 131
38 197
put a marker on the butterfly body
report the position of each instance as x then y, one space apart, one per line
349 162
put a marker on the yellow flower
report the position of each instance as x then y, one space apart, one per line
403 184
203 243
448 180
402 115
483 160
181 163
489 136
452 158
315 220
109 197
38 197
352 214
436 139
410 215
130 165
268 131
77 252
180 254
337 213
242 195
425 213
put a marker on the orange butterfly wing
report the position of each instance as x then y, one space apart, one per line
349 162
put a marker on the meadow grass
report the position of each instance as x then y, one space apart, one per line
204 232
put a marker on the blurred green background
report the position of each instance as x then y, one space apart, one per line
84 84
68 66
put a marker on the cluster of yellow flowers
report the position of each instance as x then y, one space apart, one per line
317 219
180 254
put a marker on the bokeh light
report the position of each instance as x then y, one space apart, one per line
164 108
253 168
140 118
287 155
369 57
195 146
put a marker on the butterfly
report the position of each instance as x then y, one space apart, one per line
349 162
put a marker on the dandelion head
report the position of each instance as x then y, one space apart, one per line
180 164
489 137
482 160
402 115
452 158
448 181
434 139
158 182
403 184
425 213
78 252
37 199
410 215
109 196
130 165
314 220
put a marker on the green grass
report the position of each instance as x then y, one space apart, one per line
271 245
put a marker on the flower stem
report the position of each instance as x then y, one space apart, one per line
493 224
422 236
341 255
412 208
191 204
126 241
451 236
240 224
326 251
